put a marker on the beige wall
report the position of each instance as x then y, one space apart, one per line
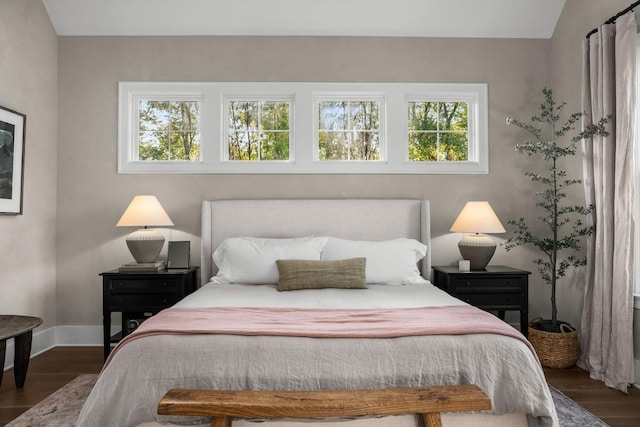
92 195
28 84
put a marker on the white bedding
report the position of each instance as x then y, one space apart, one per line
128 391
376 296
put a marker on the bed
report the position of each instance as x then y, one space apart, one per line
186 351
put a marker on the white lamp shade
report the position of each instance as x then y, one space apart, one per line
144 211
477 217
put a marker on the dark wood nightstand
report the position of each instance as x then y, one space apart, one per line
139 295
497 288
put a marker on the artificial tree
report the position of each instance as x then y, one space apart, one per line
563 226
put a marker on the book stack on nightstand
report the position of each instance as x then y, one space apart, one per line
133 267
496 288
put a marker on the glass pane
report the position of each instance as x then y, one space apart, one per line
364 115
423 146
184 146
453 115
332 115
275 116
423 116
185 115
243 115
454 146
243 146
154 115
365 146
333 146
274 146
235 145
153 145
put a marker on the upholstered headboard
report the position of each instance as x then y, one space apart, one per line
355 219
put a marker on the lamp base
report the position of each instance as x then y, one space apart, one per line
145 244
478 249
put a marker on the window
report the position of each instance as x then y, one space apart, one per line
168 130
258 130
348 129
250 127
438 131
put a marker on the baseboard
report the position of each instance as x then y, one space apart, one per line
636 368
68 336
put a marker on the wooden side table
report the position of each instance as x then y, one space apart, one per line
496 288
21 329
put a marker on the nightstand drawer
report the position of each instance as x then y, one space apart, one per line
492 300
128 301
124 286
502 284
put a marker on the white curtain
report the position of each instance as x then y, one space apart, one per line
609 90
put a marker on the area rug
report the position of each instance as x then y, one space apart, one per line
571 414
61 409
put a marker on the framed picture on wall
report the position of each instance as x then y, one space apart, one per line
178 254
12 130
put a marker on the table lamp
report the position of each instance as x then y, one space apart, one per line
477 218
145 211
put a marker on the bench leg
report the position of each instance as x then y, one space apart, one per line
21 359
429 420
221 421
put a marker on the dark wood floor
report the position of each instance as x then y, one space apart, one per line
47 373
55 368
613 407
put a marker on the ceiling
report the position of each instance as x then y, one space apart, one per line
390 18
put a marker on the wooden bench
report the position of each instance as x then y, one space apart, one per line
225 405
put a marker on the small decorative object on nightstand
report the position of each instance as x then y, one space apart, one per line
139 295
498 288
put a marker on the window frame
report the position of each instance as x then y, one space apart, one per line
471 102
349 97
394 129
253 98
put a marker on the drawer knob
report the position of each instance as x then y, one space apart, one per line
467 283
122 300
164 283
121 284
468 300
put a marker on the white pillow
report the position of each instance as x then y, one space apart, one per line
392 262
249 260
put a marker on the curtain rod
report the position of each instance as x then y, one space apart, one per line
614 17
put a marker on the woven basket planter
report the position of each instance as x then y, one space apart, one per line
555 349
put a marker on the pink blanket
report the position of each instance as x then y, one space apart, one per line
324 323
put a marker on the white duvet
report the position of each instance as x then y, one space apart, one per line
376 296
129 389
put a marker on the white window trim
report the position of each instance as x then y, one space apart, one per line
303 124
